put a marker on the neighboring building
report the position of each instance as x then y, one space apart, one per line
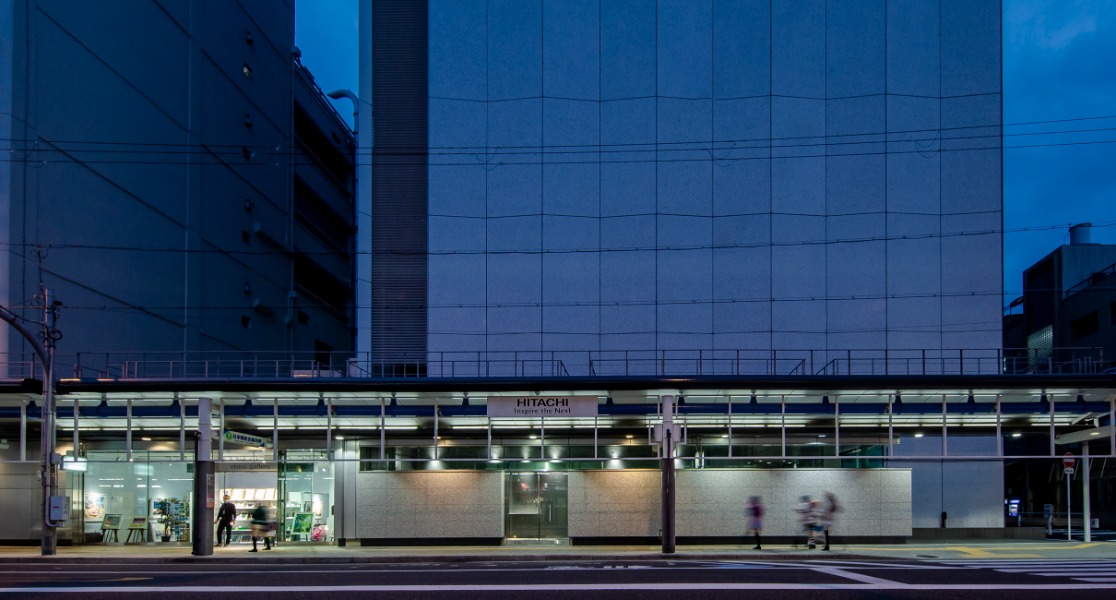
1069 309
769 176
189 186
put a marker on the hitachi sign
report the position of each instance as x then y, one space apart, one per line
553 402
542 406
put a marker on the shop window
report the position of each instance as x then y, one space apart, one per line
146 499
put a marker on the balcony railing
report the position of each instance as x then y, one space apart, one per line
559 363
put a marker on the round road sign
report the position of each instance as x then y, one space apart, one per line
1068 460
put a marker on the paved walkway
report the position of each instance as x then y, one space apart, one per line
294 553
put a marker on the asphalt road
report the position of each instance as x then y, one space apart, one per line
790 579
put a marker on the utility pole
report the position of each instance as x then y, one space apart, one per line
49 460
668 440
204 495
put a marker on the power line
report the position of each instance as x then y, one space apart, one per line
387 150
557 251
262 158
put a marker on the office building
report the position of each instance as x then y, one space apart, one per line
591 182
175 178
1068 318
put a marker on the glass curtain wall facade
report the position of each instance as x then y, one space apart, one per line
714 174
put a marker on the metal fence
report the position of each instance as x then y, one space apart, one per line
564 363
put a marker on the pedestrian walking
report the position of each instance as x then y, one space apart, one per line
754 509
225 517
807 510
261 523
829 508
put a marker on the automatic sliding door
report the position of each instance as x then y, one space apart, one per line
537 506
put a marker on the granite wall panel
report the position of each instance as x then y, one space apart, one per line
430 504
613 503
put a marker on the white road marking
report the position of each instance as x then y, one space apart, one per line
881 585
875 565
868 579
1092 571
1068 572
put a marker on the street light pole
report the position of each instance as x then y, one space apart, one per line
48 458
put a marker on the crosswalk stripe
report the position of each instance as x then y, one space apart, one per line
1068 573
1088 571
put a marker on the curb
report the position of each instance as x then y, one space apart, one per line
433 558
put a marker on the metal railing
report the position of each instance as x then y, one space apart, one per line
559 363
1090 281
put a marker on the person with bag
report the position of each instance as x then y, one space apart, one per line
260 524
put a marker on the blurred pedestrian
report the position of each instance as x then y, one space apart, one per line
807 510
261 523
829 508
754 509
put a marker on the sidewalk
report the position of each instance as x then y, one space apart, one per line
297 553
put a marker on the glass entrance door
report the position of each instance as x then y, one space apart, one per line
537 506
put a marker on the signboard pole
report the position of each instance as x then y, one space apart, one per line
1068 461
1069 507
1085 512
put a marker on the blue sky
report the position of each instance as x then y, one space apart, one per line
1059 114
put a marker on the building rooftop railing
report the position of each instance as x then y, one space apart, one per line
1090 281
557 364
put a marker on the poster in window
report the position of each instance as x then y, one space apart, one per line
302 523
94 506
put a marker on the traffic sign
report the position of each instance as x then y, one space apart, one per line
1068 460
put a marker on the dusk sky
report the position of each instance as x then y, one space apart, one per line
1059 114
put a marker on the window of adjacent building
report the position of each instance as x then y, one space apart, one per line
323 354
1085 326
321 220
320 150
323 289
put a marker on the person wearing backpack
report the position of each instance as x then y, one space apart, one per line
754 510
